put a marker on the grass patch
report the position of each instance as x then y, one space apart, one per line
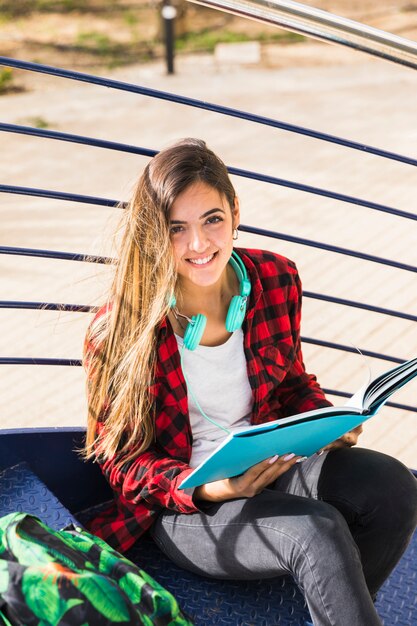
96 43
114 53
130 18
286 37
37 122
16 8
207 39
7 83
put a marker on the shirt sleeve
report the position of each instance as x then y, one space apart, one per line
153 477
299 391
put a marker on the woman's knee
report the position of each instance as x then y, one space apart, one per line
400 489
323 534
368 481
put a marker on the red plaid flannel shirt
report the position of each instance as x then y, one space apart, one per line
280 386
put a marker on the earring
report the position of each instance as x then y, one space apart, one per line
235 234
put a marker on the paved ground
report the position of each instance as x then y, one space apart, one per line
365 100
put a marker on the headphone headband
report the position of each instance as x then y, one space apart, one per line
240 269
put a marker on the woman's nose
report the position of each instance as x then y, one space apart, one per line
198 240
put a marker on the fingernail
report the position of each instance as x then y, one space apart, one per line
301 459
274 458
289 456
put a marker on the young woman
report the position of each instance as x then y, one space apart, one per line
163 388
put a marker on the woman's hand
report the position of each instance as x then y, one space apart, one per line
346 441
252 482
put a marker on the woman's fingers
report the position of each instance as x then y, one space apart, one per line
348 440
253 481
351 438
257 470
273 470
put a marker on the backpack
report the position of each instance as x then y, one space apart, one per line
72 578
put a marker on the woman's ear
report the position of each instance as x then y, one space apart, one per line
236 213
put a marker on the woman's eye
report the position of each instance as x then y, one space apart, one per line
214 220
175 229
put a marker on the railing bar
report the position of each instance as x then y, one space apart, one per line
322 192
232 170
324 26
18 304
344 348
61 195
258 231
324 246
55 254
122 147
163 95
318 342
395 405
309 340
47 306
44 193
79 139
78 363
360 305
38 361
357 351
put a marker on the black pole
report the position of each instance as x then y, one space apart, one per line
169 14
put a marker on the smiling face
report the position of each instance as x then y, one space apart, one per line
201 227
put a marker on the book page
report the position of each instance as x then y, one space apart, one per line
385 385
356 401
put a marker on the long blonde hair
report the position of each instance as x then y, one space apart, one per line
121 345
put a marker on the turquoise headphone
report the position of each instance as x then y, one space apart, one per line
235 314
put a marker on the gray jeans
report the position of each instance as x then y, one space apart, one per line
287 530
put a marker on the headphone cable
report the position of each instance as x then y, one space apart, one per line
195 399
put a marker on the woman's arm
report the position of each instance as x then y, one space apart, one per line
153 477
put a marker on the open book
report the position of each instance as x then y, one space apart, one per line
304 434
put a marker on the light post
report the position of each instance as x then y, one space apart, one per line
169 14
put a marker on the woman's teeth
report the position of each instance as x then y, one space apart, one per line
207 259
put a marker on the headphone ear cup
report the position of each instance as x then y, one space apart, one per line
194 331
236 313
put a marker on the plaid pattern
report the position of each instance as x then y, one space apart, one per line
280 387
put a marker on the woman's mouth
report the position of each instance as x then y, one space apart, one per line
202 261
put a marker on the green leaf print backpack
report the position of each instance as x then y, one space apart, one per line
72 578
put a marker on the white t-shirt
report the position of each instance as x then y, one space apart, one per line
218 379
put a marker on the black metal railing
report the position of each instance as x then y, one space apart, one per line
109 145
